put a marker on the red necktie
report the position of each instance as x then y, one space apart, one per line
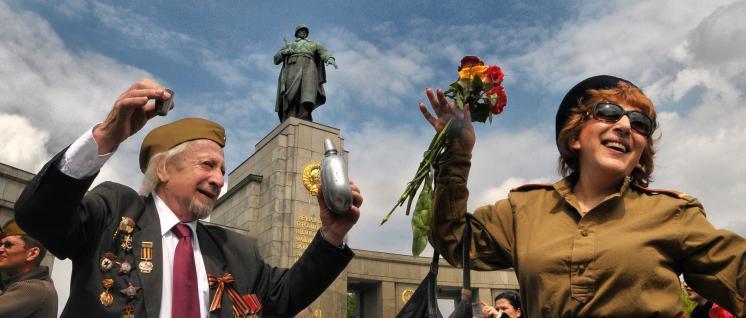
185 301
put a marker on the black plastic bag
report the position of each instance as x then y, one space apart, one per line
424 300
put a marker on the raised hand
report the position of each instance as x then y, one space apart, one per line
334 227
461 128
488 311
130 113
332 62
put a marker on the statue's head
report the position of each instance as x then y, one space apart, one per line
301 31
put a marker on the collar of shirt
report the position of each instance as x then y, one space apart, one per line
564 188
168 218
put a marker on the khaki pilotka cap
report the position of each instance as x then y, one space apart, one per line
171 135
11 228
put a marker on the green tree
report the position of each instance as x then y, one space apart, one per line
688 304
350 305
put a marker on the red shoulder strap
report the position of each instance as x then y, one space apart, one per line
670 193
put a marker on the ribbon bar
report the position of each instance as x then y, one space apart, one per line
241 307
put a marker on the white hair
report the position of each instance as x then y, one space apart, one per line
151 180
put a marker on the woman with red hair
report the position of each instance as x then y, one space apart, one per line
597 243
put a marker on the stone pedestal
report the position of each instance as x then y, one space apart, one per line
266 199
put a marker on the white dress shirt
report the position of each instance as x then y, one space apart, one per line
169 239
82 160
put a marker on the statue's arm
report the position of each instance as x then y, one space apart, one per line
278 58
326 55
280 55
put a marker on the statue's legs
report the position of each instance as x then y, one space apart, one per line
296 108
304 111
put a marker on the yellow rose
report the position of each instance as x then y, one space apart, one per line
470 72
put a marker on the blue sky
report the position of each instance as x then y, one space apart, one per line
63 64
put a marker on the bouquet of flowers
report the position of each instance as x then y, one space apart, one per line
478 86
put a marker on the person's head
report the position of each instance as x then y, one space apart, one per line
594 128
301 31
20 253
694 296
184 164
509 303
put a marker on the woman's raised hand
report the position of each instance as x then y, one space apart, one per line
461 128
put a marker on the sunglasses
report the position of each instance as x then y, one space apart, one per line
611 113
7 244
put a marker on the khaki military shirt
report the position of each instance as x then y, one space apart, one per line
620 259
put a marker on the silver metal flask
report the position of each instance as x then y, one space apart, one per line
334 182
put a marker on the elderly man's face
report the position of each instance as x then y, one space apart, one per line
13 254
195 178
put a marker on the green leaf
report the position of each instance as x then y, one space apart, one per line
455 86
480 112
477 84
421 217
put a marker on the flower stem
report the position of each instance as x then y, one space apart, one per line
431 155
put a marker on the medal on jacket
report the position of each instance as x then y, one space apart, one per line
146 257
126 225
124 267
106 297
106 261
130 292
128 311
126 243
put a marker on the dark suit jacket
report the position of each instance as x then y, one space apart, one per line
56 210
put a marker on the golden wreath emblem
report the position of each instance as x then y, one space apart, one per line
406 294
312 177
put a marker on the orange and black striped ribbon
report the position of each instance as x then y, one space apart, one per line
147 251
241 307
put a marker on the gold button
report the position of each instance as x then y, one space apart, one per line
584 233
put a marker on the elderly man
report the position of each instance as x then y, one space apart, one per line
148 256
28 291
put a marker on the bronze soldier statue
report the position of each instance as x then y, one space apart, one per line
300 86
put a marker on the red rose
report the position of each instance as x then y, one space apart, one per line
502 99
495 73
469 61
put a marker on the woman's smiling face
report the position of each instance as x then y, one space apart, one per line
611 149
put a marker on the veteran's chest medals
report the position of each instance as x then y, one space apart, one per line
106 298
106 261
128 311
146 257
123 240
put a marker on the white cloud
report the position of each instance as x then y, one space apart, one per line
632 39
64 92
493 194
382 159
375 76
22 145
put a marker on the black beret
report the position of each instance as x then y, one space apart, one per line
580 91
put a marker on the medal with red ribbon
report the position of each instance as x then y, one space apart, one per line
242 307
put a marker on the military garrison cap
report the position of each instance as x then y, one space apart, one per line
580 91
171 135
11 228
